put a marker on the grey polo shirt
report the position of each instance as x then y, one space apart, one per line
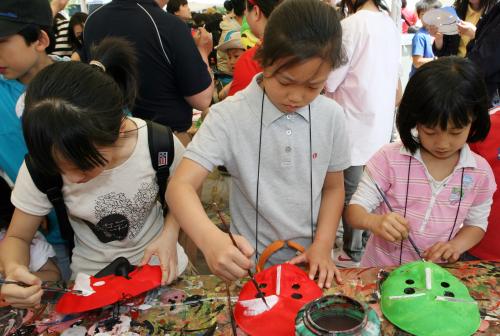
229 136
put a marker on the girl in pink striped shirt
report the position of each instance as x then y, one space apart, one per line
440 192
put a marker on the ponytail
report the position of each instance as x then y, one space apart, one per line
120 62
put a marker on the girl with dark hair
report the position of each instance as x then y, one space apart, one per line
257 14
469 12
268 137
366 87
440 191
75 37
76 124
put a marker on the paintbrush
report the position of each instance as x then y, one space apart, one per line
230 306
386 201
250 274
44 287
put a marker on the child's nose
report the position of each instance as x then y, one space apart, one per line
295 96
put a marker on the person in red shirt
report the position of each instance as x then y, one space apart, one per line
488 248
408 16
257 13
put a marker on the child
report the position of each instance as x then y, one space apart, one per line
75 35
257 14
285 147
421 44
26 39
179 8
439 189
233 49
76 124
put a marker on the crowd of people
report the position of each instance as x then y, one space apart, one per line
299 99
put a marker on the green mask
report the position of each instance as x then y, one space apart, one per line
422 298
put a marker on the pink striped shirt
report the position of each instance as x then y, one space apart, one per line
431 213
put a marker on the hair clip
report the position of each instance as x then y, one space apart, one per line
98 64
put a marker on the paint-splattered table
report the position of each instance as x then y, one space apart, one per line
196 305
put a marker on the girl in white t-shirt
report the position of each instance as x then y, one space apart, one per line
75 123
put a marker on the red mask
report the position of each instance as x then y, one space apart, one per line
287 288
111 288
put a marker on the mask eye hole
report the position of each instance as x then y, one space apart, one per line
410 282
409 290
262 285
296 296
295 286
445 284
450 294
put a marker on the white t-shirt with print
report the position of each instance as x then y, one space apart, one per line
116 214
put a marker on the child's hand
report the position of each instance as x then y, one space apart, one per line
22 297
442 251
319 257
466 29
392 227
226 260
165 248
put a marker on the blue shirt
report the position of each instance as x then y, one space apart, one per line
12 145
421 45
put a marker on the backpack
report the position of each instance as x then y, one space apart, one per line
161 151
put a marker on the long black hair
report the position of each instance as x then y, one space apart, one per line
298 30
72 108
77 19
450 89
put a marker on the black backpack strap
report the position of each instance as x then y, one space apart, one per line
51 185
161 150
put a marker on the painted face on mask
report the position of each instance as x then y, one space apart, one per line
423 298
287 288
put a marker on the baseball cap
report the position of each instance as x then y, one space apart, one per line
15 15
232 40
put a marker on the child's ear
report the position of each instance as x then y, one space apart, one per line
258 13
43 41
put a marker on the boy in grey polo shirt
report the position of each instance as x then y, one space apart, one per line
269 136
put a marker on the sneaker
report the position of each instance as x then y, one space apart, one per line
342 260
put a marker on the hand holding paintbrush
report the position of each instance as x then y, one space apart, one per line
46 286
23 289
386 201
250 274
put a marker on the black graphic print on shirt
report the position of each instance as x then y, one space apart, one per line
120 217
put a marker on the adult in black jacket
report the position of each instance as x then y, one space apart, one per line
484 50
173 71
446 45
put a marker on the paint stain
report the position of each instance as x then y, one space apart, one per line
337 323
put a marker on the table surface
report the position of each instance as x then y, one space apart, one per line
197 305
